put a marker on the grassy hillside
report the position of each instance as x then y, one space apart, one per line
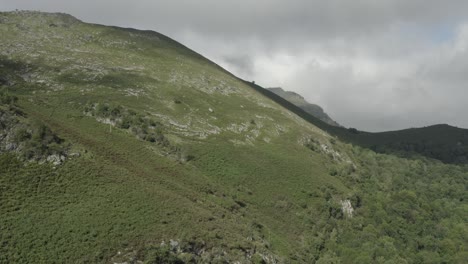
121 145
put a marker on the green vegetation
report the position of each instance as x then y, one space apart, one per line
141 126
7 99
443 142
405 211
30 141
177 161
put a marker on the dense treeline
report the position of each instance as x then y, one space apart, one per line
406 211
448 153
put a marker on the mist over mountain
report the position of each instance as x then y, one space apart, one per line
394 64
298 100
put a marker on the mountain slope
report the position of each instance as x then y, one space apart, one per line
120 145
107 91
299 101
442 142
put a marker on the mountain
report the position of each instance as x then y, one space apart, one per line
299 101
442 142
124 146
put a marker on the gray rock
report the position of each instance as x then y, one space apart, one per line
11 146
174 244
54 159
347 208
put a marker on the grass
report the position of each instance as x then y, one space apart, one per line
253 189
124 197
240 174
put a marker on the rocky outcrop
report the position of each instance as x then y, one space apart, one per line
31 142
175 251
347 208
301 102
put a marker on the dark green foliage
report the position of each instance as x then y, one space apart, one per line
22 134
103 110
182 153
143 127
403 211
442 142
124 118
126 122
40 143
7 99
312 144
33 141
161 255
257 259
334 210
9 71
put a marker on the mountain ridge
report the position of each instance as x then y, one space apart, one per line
300 101
440 141
170 159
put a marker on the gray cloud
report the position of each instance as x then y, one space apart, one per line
375 65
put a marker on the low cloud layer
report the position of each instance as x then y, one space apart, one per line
374 65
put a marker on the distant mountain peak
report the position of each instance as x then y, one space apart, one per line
300 101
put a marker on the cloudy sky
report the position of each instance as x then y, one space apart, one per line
374 65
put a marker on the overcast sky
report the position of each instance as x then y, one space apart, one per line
374 65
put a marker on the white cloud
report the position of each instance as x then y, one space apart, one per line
374 65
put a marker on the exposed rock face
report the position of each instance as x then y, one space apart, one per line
176 251
347 208
56 159
300 101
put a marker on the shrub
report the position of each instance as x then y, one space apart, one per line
21 135
103 110
116 111
125 122
5 98
161 255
